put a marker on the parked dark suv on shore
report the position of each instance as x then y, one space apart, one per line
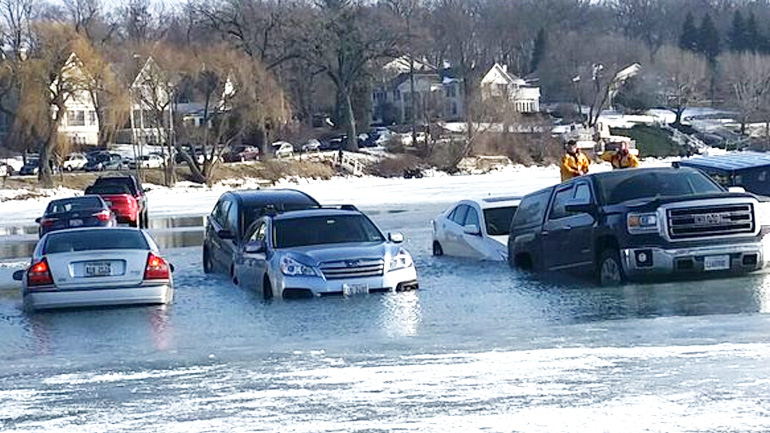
232 215
636 223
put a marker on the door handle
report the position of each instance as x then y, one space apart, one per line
544 233
567 228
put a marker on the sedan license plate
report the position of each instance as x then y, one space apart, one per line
716 263
98 269
76 222
354 289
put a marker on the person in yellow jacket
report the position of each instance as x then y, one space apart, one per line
621 158
574 162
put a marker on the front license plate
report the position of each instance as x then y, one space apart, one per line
354 289
76 222
98 269
716 263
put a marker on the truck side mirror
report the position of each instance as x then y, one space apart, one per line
580 206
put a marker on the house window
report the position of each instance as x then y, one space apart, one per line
92 118
76 118
454 108
451 92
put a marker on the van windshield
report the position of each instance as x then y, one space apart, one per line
620 186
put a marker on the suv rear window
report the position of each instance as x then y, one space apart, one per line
532 208
319 230
89 240
619 186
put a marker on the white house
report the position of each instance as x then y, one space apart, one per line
499 83
435 98
80 124
149 94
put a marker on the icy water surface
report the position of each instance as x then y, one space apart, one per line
478 348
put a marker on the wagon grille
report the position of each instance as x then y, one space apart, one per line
353 268
706 221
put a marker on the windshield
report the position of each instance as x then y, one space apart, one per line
498 220
318 230
619 186
89 240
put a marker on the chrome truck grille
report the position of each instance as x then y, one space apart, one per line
353 268
707 221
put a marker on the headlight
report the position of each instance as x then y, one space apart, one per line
642 223
400 261
294 268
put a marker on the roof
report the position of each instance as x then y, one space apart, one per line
497 201
309 213
267 196
730 162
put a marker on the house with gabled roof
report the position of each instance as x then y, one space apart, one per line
498 82
79 124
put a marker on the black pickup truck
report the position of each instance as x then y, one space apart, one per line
638 222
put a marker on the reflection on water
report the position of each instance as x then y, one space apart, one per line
191 236
402 314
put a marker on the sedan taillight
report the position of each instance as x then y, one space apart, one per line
39 274
157 268
104 215
48 222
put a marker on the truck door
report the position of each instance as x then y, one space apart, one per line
556 230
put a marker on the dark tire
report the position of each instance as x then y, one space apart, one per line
207 265
437 250
145 219
609 271
267 289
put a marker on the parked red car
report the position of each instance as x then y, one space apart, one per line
119 199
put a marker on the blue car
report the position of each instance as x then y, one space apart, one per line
73 212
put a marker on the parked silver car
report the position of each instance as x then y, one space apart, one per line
320 252
94 267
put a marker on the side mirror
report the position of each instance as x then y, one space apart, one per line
19 275
171 267
38 219
255 247
396 238
471 229
225 234
577 206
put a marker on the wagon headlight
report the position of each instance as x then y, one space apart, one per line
400 261
293 268
642 223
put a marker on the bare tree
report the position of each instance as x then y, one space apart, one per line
747 75
684 77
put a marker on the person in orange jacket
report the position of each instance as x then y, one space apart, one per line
621 158
574 162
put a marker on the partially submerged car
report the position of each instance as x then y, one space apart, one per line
319 252
71 212
95 267
476 228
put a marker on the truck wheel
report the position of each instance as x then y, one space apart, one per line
610 270
437 250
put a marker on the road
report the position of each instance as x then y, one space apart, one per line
479 347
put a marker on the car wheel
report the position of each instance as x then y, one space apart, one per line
437 250
267 289
610 271
207 265
69 168
145 220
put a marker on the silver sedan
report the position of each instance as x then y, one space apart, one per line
475 228
95 267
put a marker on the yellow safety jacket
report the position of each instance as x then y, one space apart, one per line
573 165
618 160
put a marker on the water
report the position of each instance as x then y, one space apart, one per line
479 347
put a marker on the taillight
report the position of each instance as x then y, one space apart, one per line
47 222
156 269
39 274
104 215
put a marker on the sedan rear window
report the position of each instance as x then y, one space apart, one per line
498 220
90 240
74 204
318 230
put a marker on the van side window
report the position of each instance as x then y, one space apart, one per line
219 214
532 208
232 220
458 216
559 201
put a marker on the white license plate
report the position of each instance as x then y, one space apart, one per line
716 263
98 269
354 289
76 222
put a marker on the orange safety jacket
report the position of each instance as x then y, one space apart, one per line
618 160
573 165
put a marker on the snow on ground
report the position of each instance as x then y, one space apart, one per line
192 199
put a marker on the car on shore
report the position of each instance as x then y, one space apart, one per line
88 267
234 212
324 251
74 161
475 228
639 223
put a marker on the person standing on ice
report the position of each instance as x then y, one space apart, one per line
621 158
574 163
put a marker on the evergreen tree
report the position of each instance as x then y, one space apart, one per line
538 52
737 37
754 40
708 39
688 40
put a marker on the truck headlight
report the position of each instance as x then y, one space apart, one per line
642 223
400 261
293 268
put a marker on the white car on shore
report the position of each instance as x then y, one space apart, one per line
475 228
